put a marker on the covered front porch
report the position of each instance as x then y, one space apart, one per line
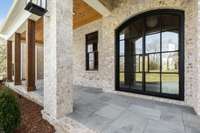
34 64
98 107
114 112
25 47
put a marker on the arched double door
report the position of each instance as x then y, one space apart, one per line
150 54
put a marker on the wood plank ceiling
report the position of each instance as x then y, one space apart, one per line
82 14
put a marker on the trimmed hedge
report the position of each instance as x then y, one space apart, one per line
10 115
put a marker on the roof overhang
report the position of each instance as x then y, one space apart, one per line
2 40
15 20
17 17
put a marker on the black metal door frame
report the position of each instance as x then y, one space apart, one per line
180 96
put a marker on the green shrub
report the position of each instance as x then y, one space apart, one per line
9 111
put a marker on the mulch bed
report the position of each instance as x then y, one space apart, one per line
31 116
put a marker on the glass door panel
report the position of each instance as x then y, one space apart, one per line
152 82
152 43
123 84
136 82
136 75
154 63
170 83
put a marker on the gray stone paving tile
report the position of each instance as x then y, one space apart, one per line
191 120
97 122
110 111
94 90
189 110
144 102
145 112
87 97
127 123
183 108
192 130
171 117
84 110
120 101
124 129
159 126
168 108
97 105
105 98
78 117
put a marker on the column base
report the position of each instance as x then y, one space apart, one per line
31 88
9 80
18 83
66 124
53 121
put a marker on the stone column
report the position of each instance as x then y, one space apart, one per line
30 38
196 90
9 61
17 79
58 97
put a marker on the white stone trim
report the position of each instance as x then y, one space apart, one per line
66 125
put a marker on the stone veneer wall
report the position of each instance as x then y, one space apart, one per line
123 10
40 61
197 59
81 76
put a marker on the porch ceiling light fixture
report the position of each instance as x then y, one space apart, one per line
37 7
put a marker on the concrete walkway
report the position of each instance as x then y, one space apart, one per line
113 113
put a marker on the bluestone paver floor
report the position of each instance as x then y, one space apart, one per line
114 113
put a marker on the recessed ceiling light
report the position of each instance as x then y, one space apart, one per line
74 13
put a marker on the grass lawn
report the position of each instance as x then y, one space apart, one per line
154 77
169 82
